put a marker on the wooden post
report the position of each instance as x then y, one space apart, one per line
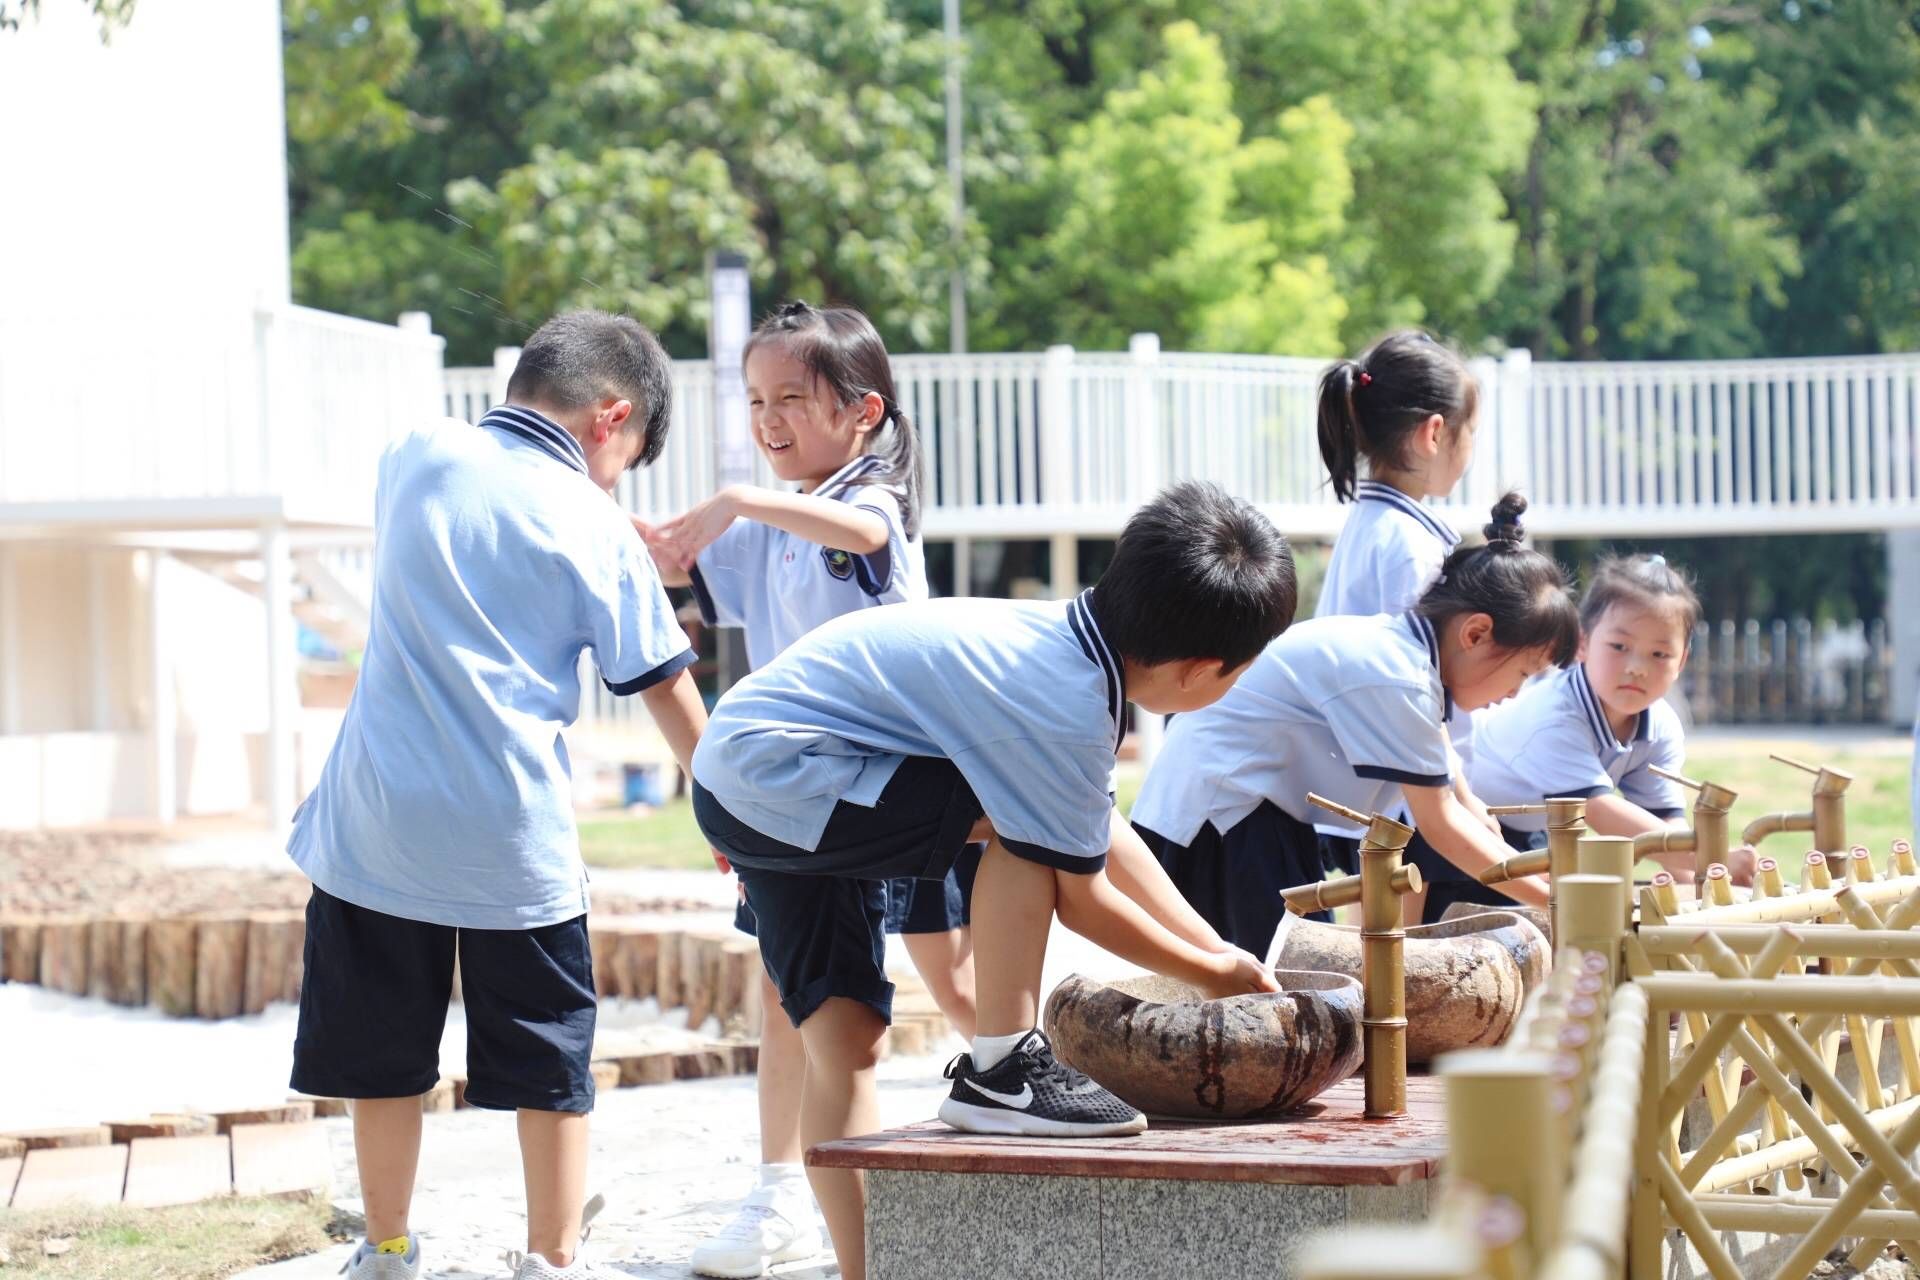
19 950
63 955
170 965
117 965
220 967
274 941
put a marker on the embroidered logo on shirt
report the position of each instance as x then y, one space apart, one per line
839 563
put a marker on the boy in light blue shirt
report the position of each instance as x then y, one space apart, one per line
885 740
445 811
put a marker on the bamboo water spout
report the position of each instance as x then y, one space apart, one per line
1827 820
1382 879
1566 823
1707 839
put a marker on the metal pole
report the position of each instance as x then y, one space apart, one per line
957 231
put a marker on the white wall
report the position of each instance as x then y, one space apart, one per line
150 172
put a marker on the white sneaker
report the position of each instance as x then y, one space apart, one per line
769 1227
368 1263
531 1266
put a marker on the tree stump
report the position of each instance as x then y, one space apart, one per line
603 940
274 940
645 1068
117 960
637 964
696 988
171 946
740 970
439 1098
19 950
63 955
290 1112
295 973
667 972
164 1125
220 967
86 1135
606 1073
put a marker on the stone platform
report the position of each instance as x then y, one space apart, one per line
1224 1200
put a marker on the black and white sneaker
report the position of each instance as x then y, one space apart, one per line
1032 1092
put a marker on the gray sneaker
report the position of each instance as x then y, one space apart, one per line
368 1263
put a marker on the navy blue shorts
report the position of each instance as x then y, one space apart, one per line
1448 884
913 906
1234 880
374 1002
821 914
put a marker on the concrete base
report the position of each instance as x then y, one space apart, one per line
1224 1201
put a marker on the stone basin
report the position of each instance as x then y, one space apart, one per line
1539 917
1466 977
1170 1051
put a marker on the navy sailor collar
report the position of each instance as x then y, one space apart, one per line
1596 713
1423 632
1086 629
1374 491
538 430
849 476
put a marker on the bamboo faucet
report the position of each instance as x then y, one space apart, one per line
1566 823
1827 819
1706 839
1383 968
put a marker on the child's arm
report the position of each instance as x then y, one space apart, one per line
1135 872
1094 908
676 707
671 575
1464 794
1461 839
826 521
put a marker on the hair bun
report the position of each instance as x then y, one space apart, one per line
1505 525
794 310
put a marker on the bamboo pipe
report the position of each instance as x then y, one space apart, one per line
1779 997
1504 1134
1566 823
1766 879
1902 863
1608 856
1706 839
1860 865
1591 918
1383 964
1827 820
1598 1195
1838 940
1784 1217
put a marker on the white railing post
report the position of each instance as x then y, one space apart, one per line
266 375
1510 451
1143 417
1056 427
283 674
504 358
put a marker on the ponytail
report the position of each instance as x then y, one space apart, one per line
1524 592
1369 405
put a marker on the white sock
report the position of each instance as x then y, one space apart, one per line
990 1051
787 1177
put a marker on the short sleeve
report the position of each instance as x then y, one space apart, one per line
1651 792
878 572
1392 732
631 629
1559 760
1049 802
725 571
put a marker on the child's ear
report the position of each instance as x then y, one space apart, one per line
1429 436
1476 629
1580 655
1200 671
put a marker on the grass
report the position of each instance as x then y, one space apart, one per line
1877 803
191 1242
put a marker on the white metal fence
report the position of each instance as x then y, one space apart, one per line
1630 448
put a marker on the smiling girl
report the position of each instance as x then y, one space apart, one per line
778 563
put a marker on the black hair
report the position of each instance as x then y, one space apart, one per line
1524 592
1369 405
1197 573
581 357
1648 581
840 346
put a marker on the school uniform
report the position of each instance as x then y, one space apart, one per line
1388 553
1351 708
445 807
1553 739
777 586
870 747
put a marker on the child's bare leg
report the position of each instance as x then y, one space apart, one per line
1013 902
945 961
842 1040
553 1153
386 1142
782 1071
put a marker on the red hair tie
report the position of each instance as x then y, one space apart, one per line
1366 379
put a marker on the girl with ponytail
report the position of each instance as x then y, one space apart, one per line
778 563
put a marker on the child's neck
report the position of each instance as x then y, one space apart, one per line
810 483
1410 483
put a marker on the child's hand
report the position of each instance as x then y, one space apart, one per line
720 861
1239 973
1740 860
680 541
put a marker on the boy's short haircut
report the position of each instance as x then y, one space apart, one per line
1197 573
580 357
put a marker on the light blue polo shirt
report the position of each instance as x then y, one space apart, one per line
1349 708
1554 740
778 586
1387 555
497 563
1025 697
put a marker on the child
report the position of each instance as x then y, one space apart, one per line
1598 728
1408 405
1355 709
885 740
779 563
443 813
